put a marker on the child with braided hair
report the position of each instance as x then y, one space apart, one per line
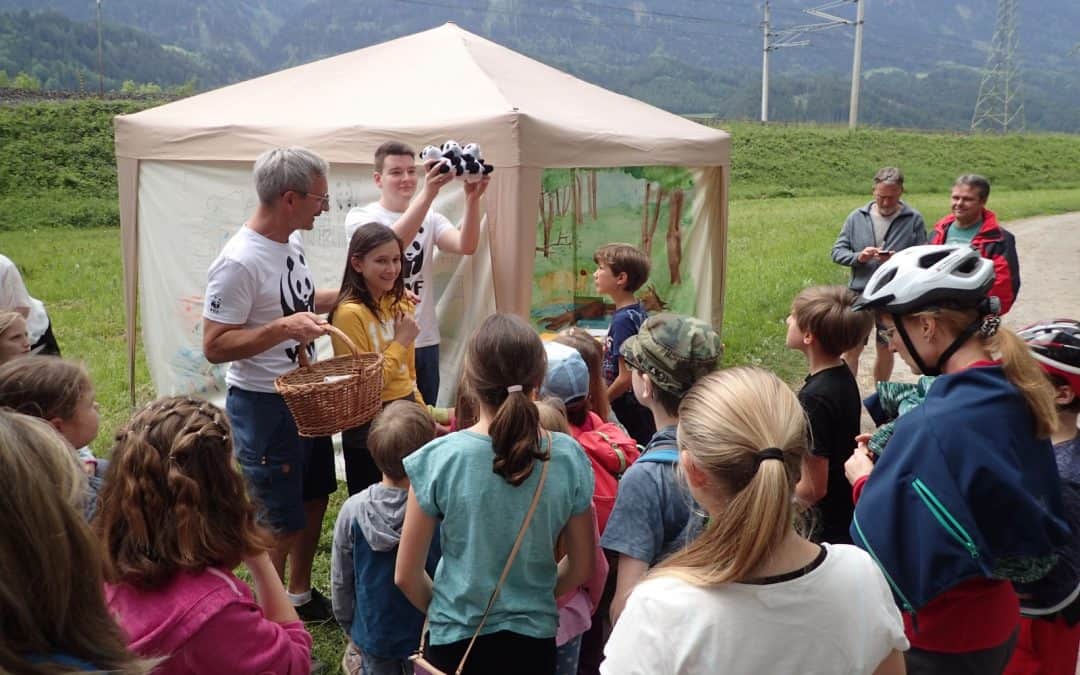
175 520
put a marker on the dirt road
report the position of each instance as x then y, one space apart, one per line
1049 250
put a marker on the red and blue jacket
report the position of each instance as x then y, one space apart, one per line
996 244
965 494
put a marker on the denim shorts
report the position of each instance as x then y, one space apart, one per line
281 468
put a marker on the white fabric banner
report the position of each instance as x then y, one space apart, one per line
186 213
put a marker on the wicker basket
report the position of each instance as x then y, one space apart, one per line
329 396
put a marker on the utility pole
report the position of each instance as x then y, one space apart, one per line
765 65
783 38
856 66
788 38
1000 106
100 60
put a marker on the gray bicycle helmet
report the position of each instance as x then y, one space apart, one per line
928 276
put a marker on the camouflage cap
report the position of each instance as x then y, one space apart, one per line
675 351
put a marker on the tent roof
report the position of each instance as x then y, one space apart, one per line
423 88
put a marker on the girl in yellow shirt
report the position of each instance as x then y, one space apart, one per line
373 311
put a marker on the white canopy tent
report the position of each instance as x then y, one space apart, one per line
185 182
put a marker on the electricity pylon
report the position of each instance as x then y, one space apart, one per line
1000 106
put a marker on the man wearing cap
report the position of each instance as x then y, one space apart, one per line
652 516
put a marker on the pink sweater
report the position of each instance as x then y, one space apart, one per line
206 623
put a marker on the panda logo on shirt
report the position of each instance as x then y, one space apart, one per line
413 262
297 295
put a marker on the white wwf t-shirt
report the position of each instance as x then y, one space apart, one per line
256 280
416 263
839 618
13 295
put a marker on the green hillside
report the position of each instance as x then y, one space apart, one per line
62 54
817 160
59 167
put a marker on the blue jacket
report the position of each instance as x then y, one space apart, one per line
965 490
367 604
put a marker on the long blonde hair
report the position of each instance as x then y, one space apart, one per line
725 420
1021 369
51 591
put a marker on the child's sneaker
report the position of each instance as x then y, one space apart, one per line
316 610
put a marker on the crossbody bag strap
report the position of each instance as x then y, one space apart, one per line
509 561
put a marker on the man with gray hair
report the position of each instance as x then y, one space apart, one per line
974 225
259 311
871 234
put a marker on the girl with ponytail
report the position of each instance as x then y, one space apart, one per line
175 521
477 484
751 594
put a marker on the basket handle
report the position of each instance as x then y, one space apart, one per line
302 354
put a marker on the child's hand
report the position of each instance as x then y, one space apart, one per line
860 463
89 468
405 329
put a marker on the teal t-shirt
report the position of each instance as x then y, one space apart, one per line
480 516
962 236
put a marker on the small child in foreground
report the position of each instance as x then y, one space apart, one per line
382 625
577 607
61 393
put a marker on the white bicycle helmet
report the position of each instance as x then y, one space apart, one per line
928 276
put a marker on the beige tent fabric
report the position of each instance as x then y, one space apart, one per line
710 206
129 187
421 89
511 214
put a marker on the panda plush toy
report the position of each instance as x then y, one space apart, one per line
463 162
432 154
451 151
473 161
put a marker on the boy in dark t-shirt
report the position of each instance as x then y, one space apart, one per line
622 269
823 325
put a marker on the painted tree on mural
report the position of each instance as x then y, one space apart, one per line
561 193
554 201
663 184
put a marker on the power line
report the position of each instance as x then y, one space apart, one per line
666 15
577 22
